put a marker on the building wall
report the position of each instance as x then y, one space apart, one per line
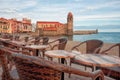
27 26
56 28
14 26
50 28
4 26
49 33
61 30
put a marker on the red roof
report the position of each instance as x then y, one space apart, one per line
70 14
3 19
48 22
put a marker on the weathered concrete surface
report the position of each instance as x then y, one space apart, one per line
81 32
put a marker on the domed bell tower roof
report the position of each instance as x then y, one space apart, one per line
70 17
70 14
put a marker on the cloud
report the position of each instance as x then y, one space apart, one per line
8 10
18 4
99 6
29 3
14 8
55 10
50 9
97 17
44 16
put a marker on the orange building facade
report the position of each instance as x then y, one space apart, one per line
14 26
50 28
4 26
27 26
55 28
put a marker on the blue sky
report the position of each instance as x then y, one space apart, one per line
86 12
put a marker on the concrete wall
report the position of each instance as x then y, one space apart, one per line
80 32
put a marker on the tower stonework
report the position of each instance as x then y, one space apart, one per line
70 24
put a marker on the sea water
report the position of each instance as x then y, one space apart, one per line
107 37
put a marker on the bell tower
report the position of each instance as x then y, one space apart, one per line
70 24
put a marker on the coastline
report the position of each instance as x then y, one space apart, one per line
71 43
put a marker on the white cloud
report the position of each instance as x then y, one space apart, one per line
99 6
29 3
97 17
8 10
36 10
51 16
19 4
50 9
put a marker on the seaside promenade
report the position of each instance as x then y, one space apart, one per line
69 45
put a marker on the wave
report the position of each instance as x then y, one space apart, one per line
108 37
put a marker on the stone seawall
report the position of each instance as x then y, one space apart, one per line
82 32
55 33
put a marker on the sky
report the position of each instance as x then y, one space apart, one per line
85 12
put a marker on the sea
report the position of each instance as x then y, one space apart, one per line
107 37
108 33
